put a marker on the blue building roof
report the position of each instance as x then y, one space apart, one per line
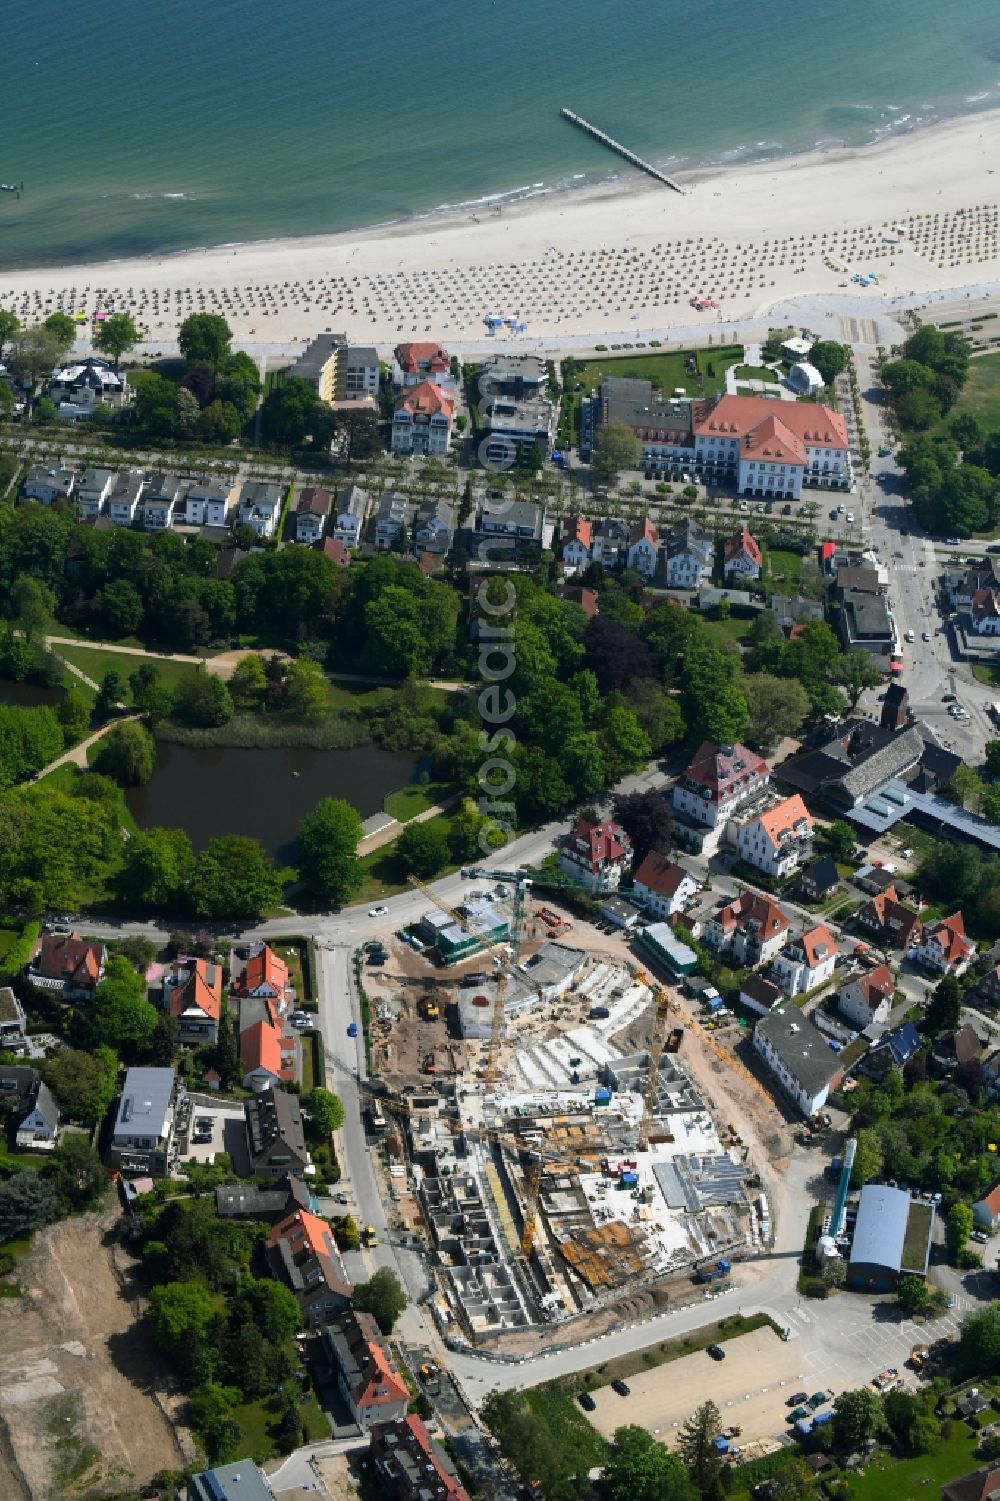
880 1229
903 1043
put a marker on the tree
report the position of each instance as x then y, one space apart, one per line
120 607
647 820
204 338
328 851
248 682
77 1171
840 840
116 335
10 327
358 433
944 1009
27 1202
833 1273
696 1447
857 1417
140 952
155 404
965 788
187 414
958 1228
868 1158
383 1297
912 1424
326 1111
237 383
73 714
422 848
123 1017
616 447
110 694
347 1233
233 877
855 671
829 358
979 1341
83 1083
227 1051
794 1482
34 605
157 868
306 688
127 754
638 1468
913 1296
33 354
292 412
184 1318
625 744
776 707
63 330
203 699
150 694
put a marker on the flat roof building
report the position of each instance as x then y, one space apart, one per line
892 1235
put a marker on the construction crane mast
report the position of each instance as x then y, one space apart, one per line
649 1094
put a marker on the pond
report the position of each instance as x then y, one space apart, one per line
263 793
28 695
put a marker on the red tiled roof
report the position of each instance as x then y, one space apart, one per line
264 968
426 400
782 818
66 956
718 767
644 531
992 1199
817 945
774 441
602 841
201 989
876 985
949 934
586 598
742 542
579 529
660 874
805 422
754 907
260 1047
335 550
430 358
313 499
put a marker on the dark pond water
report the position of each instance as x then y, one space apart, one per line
263 793
28 695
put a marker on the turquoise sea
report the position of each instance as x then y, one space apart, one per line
150 125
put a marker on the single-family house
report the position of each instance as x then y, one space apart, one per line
894 1051
422 420
759 994
596 855
143 1135
192 996
644 547
48 481
409 1465
12 1019
392 521
662 886
806 962
943 947
866 999
955 1050
161 494
818 879
433 528
577 541
239 1481
270 1051
415 364
798 1055
885 917
67 964
302 1253
986 1211
349 513
311 509
741 556
275 1137
259 507
92 492
984 612
751 927
335 551
261 973
610 542
367 1375
88 383
123 501
204 502
775 840
687 555
25 1097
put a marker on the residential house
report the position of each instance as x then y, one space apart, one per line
577 541
986 1211
259 507
984 612
515 428
817 880
349 513
687 556
766 449
760 995
885 917
244 1201
978 1485
776 839
160 496
311 509
143 1136
260 972
587 599
433 528
415 364
67 964
192 996
791 610
12 1019
47 482
953 1050
89 383
751 927
411 1466
718 780
662 886
596 855
741 556
302 1253
270 1051
610 542
123 502
239 1481
339 373
205 502
26 1098
866 625
989 986
798 1054
866 999
894 1051
943 947
522 522
367 1375
643 547
335 551
806 962
92 492
422 420
275 1138
392 521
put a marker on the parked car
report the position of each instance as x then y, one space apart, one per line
587 1402
980 1237
378 911
716 1352
621 1387
796 1398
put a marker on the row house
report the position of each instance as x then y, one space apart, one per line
596 855
422 420
751 927
123 502
866 999
367 1375
662 886
92 491
206 502
644 547
806 962
776 839
943 947
160 495
741 556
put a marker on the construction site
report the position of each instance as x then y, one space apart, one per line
551 1164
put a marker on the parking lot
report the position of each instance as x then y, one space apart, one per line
749 1387
225 1131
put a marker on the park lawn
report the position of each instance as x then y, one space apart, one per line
95 662
891 1479
407 802
986 672
383 875
255 1418
757 372
981 392
8 938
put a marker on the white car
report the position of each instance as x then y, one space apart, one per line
378 912
850 516
911 636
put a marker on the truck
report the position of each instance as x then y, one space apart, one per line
429 1009
368 1236
714 1273
428 1064
674 1040
833 1169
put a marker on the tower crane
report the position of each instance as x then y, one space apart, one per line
649 1094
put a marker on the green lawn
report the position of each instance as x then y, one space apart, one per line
95 662
291 953
981 392
757 372
734 629
8 938
9 466
383 873
785 568
407 802
255 1418
890 1479
664 370
986 672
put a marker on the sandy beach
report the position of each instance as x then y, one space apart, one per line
919 211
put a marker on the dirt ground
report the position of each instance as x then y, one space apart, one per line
82 1388
749 1388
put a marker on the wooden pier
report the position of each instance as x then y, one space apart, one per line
620 150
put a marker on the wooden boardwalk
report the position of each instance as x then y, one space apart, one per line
623 151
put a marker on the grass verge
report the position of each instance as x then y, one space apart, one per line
95 661
669 1350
